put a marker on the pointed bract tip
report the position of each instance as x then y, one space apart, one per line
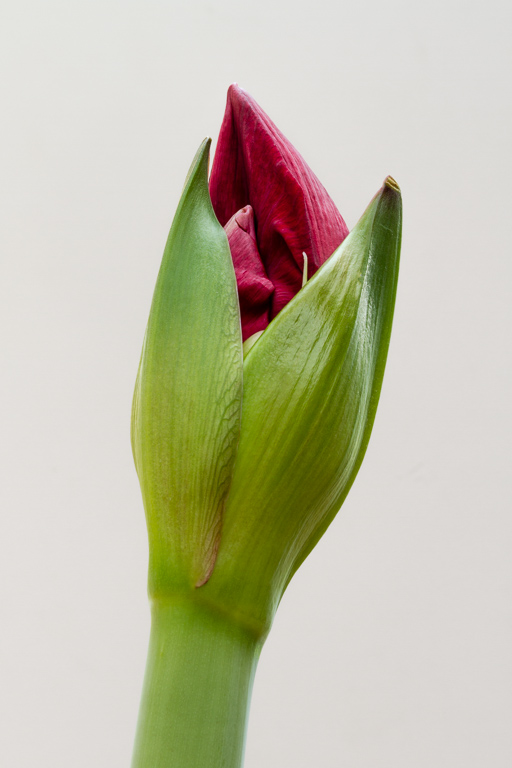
391 183
201 160
205 147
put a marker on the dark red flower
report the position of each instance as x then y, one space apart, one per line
273 209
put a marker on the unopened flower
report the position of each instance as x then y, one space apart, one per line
273 208
244 463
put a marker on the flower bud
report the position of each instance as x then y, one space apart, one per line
238 493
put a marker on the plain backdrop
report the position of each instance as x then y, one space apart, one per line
392 646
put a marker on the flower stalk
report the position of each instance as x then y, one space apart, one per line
197 688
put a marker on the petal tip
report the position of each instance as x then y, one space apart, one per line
234 91
238 95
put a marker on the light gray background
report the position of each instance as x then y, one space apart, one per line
391 648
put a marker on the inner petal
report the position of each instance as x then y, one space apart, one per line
254 288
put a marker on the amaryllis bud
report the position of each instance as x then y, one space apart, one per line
256 166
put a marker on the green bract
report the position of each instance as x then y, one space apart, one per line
188 394
233 507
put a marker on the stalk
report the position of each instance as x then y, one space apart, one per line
197 688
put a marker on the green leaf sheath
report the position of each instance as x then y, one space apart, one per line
197 688
311 386
187 402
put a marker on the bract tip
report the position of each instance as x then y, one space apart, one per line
391 183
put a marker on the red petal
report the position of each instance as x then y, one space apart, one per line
254 288
255 164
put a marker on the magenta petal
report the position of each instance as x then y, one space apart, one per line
256 165
254 287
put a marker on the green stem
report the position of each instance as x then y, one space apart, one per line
197 689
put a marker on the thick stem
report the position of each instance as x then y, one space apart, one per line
197 689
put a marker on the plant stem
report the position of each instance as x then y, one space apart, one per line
197 688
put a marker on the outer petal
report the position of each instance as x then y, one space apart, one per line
187 402
255 164
311 387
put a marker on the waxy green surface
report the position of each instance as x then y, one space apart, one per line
187 402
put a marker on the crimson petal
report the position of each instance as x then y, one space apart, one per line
254 288
256 165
